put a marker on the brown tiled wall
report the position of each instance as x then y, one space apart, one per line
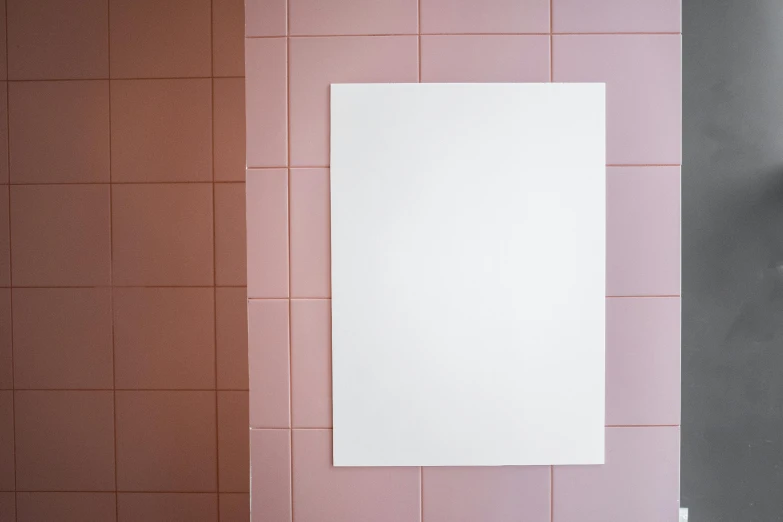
123 338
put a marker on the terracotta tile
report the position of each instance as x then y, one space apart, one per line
484 58
48 41
643 91
643 231
228 38
7 480
61 235
164 338
485 16
230 235
318 62
166 441
233 441
313 17
641 477
53 428
269 364
7 506
62 338
162 234
265 17
160 38
229 128
171 121
266 99
495 494
6 372
231 324
616 16
5 239
59 131
270 471
66 507
3 127
310 246
311 363
324 492
3 41
167 507
267 233
234 507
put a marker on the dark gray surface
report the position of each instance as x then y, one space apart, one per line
732 183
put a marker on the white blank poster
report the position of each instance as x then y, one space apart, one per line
468 261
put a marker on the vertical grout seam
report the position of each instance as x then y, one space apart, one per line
288 189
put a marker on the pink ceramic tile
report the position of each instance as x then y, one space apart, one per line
171 121
162 234
228 37
48 41
266 100
640 480
318 62
324 492
310 247
270 471
160 38
166 441
66 507
5 238
3 129
235 507
230 235
64 440
269 364
616 16
167 507
485 16
62 338
484 58
643 231
643 91
315 17
311 363
231 325
61 235
499 494
6 370
643 361
267 233
265 17
7 441
59 131
229 128
233 442
164 338
7 506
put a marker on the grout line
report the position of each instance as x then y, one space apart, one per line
631 33
288 172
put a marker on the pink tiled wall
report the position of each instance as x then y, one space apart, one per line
123 337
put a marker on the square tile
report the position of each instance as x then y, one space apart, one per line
66 507
269 364
266 98
311 363
267 233
59 131
7 478
64 441
167 507
166 441
61 235
230 235
616 16
48 41
324 492
233 442
229 128
171 121
641 477
5 239
496 494
484 16
643 231
270 471
231 324
643 91
62 338
164 338
228 38
7 506
160 38
353 17
6 369
484 58
162 234
235 507
318 62
3 129
265 17
310 249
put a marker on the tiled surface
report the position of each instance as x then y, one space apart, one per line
7 470
268 360
315 17
231 338
66 507
3 131
234 507
167 507
266 17
233 442
228 38
267 233
270 466
230 236
5 238
485 16
266 98
6 366
310 238
229 128
610 16
311 363
7 506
